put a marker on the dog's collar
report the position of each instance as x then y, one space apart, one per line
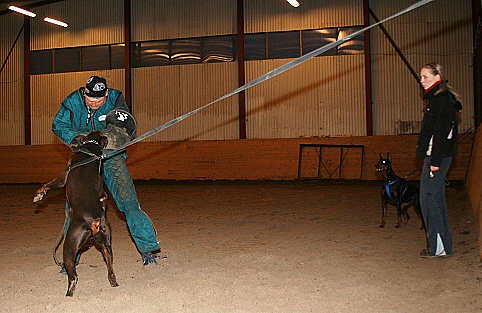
389 183
94 142
91 141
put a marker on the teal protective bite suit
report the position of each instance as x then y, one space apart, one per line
75 118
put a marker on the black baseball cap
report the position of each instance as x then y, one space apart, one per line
96 87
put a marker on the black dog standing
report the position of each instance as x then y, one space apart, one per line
398 192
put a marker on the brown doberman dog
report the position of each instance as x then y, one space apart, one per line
87 201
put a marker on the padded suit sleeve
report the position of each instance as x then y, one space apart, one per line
121 103
62 126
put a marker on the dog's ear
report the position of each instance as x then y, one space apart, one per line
389 157
381 158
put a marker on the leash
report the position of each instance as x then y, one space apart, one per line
261 79
461 138
415 170
60 238
92 155
250 84
447 182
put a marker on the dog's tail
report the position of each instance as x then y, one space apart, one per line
60 238
95 226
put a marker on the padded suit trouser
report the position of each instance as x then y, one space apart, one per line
434 208
119 182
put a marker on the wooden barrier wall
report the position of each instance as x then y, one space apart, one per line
474 183
267 159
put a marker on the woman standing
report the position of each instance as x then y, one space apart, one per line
437 143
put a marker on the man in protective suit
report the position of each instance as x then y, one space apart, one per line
96 107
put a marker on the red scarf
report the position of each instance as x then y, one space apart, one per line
433 86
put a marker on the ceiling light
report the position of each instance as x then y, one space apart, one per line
51 20
19 10
294 3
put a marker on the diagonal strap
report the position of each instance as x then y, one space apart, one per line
266 76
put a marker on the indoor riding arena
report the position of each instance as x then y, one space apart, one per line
259 125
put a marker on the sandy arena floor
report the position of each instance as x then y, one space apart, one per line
299 246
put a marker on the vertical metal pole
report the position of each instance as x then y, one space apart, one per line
241 73
368 70
340 169
362 161
127 54
320 160
477 60
26 82
300 157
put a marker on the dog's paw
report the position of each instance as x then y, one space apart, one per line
39 194
38 197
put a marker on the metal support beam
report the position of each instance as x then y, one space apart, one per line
26 82
127 54
241 73
477 60
368 71
397 49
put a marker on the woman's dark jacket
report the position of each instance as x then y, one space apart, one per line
440 122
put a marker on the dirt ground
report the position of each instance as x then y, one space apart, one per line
297 246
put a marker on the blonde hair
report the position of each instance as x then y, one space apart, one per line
437 69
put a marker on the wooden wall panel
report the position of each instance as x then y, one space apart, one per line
251 159
474 182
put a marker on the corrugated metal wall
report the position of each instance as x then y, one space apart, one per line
168 19
165 93
90 23
279 15
273 107
161 94
48 91
440 31
322 97
11 82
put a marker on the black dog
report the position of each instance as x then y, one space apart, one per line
398 192
87 199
